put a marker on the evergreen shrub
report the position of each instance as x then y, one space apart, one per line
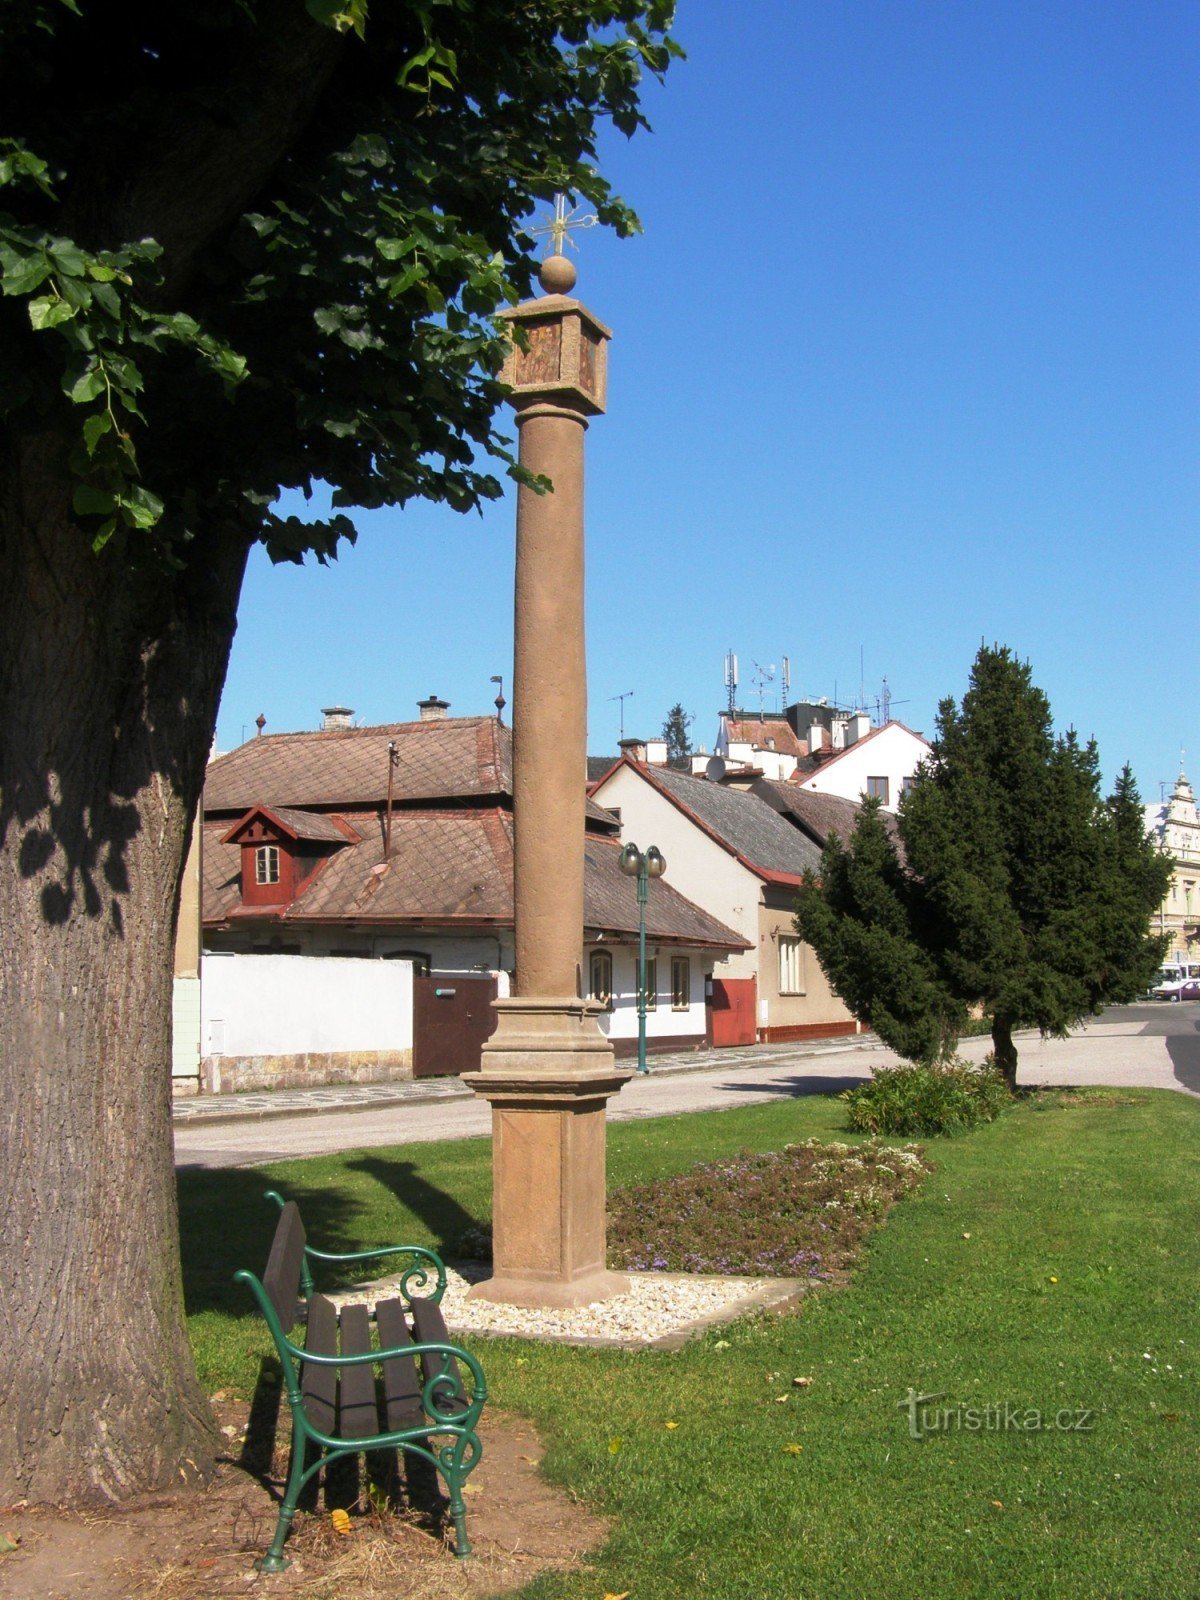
921 1099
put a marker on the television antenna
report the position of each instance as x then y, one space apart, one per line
765 676
628 695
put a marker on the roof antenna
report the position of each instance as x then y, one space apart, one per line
765 676
731 681
393 763
628 695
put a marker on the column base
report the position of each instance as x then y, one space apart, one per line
548 1072
514 1289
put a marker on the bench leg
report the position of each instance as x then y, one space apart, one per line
458 1510
275 1560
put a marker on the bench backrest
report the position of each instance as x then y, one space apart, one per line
281 1280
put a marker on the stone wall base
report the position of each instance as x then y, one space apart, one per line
235 1074
808 1030
626 1049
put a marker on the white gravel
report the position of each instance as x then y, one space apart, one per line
660 1307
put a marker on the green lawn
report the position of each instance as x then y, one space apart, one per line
1095 1191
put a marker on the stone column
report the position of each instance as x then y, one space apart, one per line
548 1070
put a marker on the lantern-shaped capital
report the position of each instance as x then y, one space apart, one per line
565 359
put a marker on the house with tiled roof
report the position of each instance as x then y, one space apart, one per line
826 749
394 843
732 853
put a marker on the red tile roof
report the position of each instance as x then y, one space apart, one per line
449 868
766 733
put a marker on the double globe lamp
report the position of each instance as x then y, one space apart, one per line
642 866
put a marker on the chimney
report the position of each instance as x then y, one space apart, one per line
656 752
336 717
858 727
635 749
433 709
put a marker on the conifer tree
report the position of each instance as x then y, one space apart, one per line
678 738
1021 891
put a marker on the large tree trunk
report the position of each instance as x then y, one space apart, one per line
1005 1051
109 681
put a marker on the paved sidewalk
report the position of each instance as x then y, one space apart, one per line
259 1104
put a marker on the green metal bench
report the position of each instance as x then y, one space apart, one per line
423 1404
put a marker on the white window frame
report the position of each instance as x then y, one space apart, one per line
681 964
601 961
791 964
266 864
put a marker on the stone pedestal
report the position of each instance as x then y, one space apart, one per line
548 1070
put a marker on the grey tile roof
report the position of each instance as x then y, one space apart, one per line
743 821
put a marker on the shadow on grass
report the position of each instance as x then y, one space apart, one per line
225 1223
443 1216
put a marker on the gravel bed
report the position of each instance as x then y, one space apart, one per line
660 1307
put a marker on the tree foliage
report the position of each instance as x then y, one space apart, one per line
1021 890
295 277
675 732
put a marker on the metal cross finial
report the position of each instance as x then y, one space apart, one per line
558 230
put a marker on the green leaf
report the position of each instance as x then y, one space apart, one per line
49 311
94 429
86 387
90 502
25 280
140 507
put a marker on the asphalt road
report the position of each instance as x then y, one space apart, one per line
1156 1045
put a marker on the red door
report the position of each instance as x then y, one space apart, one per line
734 1008
452 1017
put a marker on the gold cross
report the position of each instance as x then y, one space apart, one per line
558 230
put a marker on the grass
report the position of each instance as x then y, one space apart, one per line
1049 1262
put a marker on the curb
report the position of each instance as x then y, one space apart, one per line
409 1094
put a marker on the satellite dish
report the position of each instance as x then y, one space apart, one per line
714 770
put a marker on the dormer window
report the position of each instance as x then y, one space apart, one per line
282 849
266 864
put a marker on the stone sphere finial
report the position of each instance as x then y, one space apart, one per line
557 275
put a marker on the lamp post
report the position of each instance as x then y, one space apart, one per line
642 867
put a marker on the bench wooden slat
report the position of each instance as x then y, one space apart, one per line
281 1280
429 1326
402 1391
318 1385
358 1414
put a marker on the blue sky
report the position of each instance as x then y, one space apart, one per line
905 360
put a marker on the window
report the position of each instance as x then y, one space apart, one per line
791 965
681 983
600 977
907 785
651 984
266 864
877 789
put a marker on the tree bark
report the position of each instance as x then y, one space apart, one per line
1005 1051
110 672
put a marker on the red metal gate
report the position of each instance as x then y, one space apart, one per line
452 1017
733 1012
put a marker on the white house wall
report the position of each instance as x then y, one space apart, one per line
893 753
699 868
275 1021
688 1026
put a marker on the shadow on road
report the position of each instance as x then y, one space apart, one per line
795 1086
1184 1051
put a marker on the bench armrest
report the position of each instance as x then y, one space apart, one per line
416 1279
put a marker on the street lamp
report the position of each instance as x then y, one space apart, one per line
642 867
